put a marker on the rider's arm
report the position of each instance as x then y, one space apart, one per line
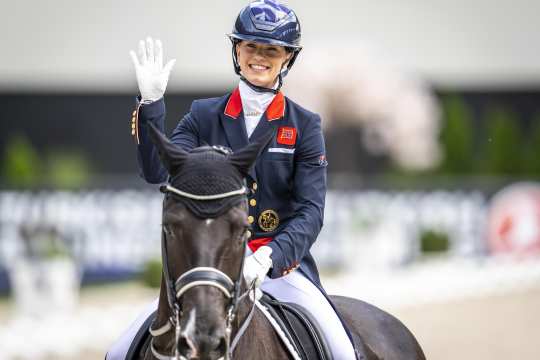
309 191
185 135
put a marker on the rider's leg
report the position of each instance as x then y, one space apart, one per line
120 348
296 288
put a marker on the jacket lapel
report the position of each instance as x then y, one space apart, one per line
233 122
271 119
234 125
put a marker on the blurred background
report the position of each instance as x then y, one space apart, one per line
431 113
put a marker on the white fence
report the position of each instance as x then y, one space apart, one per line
122 228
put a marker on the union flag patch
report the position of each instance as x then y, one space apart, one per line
286 135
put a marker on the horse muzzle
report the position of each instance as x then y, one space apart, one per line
208 348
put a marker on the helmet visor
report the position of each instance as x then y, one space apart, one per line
262 40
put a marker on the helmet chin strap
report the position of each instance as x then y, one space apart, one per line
262 89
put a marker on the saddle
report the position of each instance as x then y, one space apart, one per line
297 329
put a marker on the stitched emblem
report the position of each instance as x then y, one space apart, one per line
286 135
268 220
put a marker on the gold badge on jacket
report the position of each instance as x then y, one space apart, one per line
268 220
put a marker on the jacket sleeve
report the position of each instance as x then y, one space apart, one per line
185 135
309 192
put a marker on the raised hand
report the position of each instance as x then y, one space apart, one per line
152 76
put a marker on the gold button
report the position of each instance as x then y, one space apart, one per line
133 132
133 126
134 112
133 119
248 234
250 219
254 186
252 202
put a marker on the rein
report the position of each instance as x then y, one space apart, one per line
201 276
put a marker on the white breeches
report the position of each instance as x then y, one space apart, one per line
296 288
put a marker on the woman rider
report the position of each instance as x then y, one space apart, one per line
288 181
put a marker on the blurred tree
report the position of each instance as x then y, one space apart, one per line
67 169
21 165
457 136
532 157
502 148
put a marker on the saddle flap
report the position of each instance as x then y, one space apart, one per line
300 328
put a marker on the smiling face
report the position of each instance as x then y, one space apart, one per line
260 63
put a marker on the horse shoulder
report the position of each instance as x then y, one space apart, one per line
383 335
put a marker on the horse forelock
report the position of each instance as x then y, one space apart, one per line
207 171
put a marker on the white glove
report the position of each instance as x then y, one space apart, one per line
256 266
152 76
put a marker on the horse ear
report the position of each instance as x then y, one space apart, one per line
172 156
245 157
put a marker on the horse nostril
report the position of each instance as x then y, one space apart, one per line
215 345
222 347
186 348
202 346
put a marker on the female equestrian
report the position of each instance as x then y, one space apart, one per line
288 181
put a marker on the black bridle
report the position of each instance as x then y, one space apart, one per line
201 276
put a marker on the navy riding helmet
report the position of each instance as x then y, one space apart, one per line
267 22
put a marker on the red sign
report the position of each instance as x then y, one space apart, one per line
514 220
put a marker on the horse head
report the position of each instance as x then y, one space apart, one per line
204 234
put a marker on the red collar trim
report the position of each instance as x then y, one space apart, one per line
276 109
234 105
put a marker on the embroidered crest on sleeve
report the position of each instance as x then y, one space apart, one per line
322 160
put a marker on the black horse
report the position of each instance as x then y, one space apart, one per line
205 313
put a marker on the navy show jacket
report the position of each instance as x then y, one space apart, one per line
288 181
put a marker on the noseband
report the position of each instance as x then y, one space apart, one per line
201 276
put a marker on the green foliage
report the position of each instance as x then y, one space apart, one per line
532 156
21 164
432 241
151 275
457 136
67 170
503 145
24 167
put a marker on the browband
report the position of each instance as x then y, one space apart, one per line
169 188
